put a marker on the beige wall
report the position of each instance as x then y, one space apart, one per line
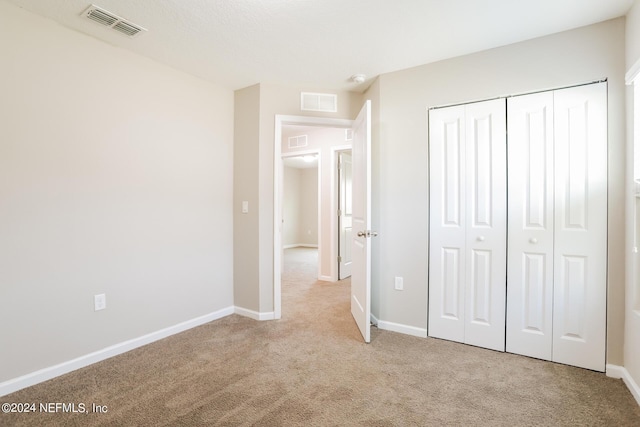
245 188
632 313
633 35
401 157
300 206
308 227
290 206
115 178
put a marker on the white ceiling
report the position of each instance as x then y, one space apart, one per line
321 43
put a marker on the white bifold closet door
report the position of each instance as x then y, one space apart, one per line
467 245
557 246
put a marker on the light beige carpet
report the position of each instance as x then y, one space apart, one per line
311 368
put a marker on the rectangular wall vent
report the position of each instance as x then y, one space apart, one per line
298 141
325 102
113 21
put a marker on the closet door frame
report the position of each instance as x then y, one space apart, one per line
556 252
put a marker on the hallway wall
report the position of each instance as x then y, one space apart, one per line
300 207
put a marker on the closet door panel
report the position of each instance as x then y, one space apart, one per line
486 224
447 150
580 226
530 229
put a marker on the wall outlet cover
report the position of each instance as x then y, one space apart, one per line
99 302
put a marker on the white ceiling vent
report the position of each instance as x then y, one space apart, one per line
298 141
116 23
326 102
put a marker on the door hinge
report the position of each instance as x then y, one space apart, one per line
339 212
339 259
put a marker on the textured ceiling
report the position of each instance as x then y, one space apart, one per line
321 43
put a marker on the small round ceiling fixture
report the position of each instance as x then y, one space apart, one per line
358 78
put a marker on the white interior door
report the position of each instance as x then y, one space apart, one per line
467 265
361 221
345 213
557 279
486 224
447 240
531 200
580 274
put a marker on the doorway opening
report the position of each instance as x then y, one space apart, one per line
301 213
327 183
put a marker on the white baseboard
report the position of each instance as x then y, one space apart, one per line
45 374
254 314
326 279
620 372
397 327
374 320
300 245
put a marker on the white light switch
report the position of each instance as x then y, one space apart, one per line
399 283
245 207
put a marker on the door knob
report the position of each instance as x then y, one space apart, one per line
362 234
533 240
480 238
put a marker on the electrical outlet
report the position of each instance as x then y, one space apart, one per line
399 283
99 302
